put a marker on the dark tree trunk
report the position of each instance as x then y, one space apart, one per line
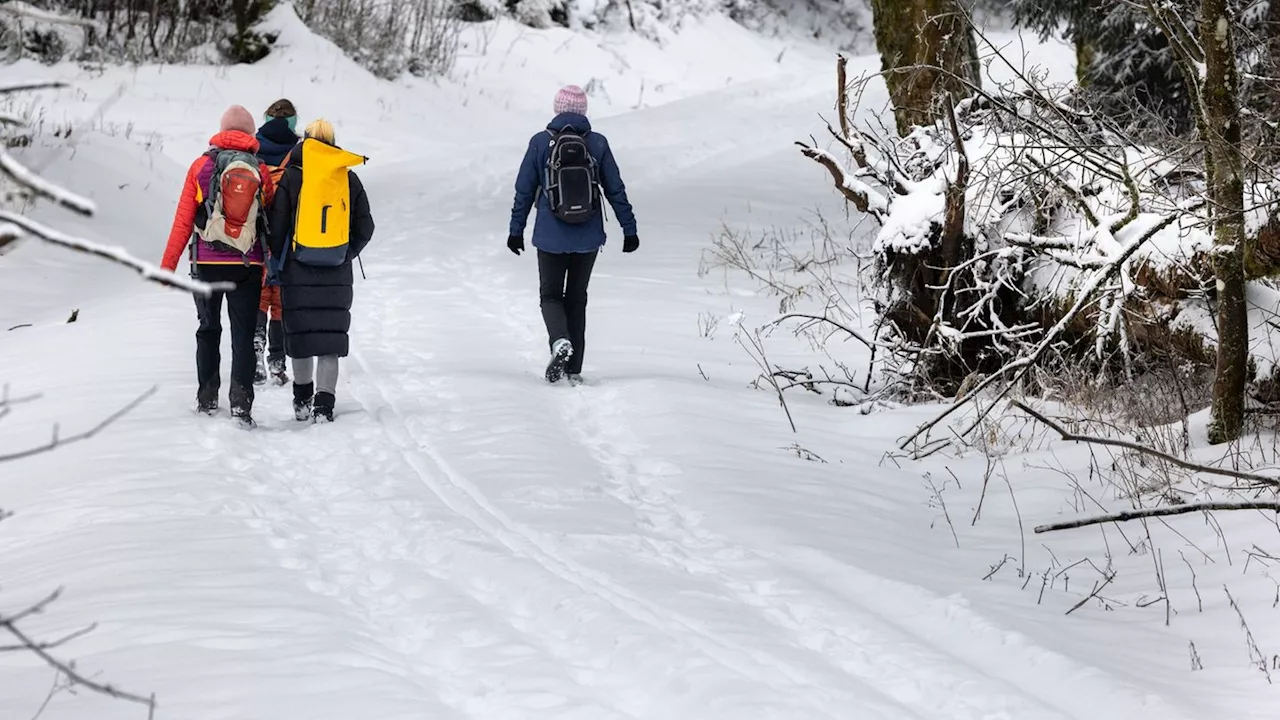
1221 111
928 54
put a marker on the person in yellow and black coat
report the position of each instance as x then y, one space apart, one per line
312 250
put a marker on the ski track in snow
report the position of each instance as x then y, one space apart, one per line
882 655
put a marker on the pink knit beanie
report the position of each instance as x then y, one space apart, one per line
237 118
571 99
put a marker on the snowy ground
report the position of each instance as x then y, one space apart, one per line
468 542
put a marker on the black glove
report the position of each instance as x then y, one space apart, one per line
515 244
630 243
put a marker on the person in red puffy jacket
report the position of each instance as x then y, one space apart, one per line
211 263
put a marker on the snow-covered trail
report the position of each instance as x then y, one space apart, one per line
468 542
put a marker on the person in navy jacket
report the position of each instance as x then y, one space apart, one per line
567 252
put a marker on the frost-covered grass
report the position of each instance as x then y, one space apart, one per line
466 541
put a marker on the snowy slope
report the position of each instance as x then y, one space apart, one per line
468 542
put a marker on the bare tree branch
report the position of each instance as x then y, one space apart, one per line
57 442
860 194
842 94
1171 459
52 644
28 86
70 673
816 319
1159 512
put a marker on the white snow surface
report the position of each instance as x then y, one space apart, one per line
468 542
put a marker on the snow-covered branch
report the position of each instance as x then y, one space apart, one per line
14 226
1016 369
862 195
20 174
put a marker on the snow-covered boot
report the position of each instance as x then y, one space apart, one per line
242 406
302 400
207 401
575 379
323 410
561 351
279 374
260 349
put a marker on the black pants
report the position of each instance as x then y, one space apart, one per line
563 280
242 309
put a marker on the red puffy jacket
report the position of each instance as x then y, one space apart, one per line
194 190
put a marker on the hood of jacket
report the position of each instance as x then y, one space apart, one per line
570 120
275 140
234 140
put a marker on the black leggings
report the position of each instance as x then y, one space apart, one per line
563 280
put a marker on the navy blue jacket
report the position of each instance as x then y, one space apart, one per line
275 140
550 233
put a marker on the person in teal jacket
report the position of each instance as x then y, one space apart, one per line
567 251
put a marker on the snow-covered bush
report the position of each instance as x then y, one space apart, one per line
1021 229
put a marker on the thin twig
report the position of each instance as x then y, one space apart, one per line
56 441
820 319
70 673
1097 588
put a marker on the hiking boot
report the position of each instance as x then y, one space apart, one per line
322 412
207 401
242 404
575 379
276 368
302 400
244 418
560 353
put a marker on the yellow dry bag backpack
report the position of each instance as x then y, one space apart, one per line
322 228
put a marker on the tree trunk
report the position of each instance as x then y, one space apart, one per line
1221 110
927 52
1085 53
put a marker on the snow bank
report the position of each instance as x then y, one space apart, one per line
133 186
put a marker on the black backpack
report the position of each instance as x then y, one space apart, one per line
572 178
